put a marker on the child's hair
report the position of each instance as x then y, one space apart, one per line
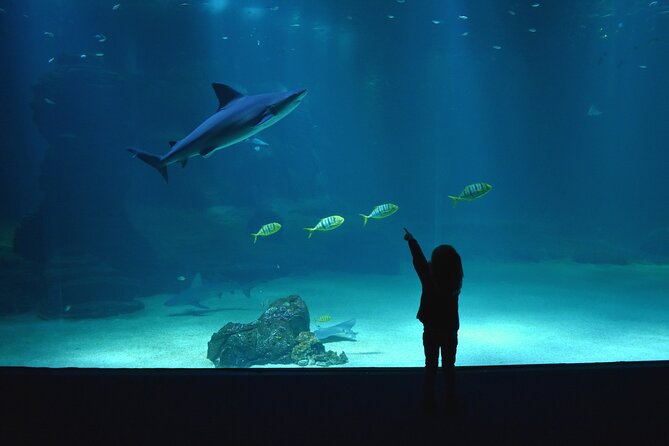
446 268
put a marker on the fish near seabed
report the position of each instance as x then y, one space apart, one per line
238 118
193 295
265 230
323 318
326 224
380 211
343 331
471 192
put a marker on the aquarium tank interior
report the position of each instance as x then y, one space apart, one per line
227 183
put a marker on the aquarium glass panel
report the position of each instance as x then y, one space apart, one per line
265 183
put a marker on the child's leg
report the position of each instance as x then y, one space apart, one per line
448 351
431 347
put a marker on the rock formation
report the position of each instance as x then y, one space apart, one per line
279 336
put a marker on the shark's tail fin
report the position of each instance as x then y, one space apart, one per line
151 160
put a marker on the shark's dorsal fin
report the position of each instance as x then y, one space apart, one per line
183 162
225 94
172 143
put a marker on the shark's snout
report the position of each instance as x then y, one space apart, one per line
298 96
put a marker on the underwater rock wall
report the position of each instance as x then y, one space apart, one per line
83 112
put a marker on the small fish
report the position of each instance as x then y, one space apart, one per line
323 318
436 22
471 192
83 56
511 12
497 47
643 66
295 25
52 59
274 8
225 37
49 101
390 16
68 308
181 278
99 54
536 5
465 34
116 6
326 224
532 30
257 143
463 17
594 111
381 211
100 37
652 4
48 34
265 230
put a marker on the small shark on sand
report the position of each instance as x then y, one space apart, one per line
199 291
337 332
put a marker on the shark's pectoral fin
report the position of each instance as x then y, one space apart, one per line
206 153
266 117
183 162
225 94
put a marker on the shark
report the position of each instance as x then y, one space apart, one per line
337 332
198 292
237 118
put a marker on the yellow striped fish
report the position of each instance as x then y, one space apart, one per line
265 230
326 224
471 192
381 211
323 318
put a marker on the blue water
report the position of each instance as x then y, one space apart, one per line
561 106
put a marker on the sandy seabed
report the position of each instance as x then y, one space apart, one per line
511 313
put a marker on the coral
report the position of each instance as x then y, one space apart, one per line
309 350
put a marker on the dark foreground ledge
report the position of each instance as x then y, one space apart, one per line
616 403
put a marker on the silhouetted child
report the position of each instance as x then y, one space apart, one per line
441 279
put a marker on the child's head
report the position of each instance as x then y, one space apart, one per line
446 267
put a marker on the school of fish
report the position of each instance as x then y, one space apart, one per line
469 193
